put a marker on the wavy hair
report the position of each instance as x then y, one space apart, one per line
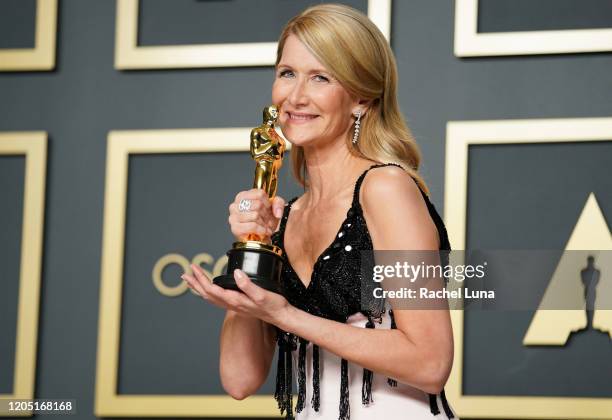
357 54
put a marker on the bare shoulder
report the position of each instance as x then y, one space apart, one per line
385 183
395 211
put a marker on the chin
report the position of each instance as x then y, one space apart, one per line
296 139
298 142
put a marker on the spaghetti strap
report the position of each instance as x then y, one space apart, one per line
362 177
437 219
283 223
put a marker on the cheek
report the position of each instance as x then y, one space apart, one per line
333 99
338 109
278 93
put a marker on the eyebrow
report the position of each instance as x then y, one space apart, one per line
311 71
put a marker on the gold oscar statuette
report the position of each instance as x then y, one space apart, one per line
261 261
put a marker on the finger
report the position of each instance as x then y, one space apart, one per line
272 223
278 206
254 292
250 216
202 279
194 284
230 299
255 194
241 228
277 210
217 297
199 274
252 227
260 211
257 213
261 195
256 205
209 290
212 290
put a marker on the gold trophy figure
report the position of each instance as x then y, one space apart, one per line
261 261
267 149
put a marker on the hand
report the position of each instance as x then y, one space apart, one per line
255 301
262 218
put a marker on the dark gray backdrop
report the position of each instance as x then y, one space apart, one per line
85 98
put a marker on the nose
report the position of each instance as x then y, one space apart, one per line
299 93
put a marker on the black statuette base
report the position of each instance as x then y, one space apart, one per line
263 268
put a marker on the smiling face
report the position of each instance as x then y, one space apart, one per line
313 106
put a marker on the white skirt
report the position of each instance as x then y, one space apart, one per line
390 403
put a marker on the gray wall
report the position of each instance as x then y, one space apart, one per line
177 203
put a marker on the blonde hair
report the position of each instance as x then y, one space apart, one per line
357 54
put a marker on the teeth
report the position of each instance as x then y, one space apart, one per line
301 117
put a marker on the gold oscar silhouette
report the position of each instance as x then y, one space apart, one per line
261 261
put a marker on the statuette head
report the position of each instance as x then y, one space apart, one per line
270 113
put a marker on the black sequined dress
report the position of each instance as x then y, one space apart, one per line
330 387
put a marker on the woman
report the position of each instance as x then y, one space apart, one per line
336 89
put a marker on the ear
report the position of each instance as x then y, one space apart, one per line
363 106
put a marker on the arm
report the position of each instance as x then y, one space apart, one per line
247 343
420 351
247 349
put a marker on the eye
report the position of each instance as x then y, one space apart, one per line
321 78
284 73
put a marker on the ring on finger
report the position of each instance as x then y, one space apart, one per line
244 205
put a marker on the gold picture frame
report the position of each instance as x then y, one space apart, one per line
459 136
122 144
470 43
42 56
130 56
32 144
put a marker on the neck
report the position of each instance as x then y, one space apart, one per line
331 171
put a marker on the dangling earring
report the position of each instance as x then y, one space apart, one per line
357 123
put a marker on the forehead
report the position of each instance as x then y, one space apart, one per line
297 55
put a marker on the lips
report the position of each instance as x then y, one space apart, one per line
300 117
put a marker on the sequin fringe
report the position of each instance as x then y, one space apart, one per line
366 387
345 408
392 382
433 405
283 392
288 385
301 376
279 393
316 389
445 406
